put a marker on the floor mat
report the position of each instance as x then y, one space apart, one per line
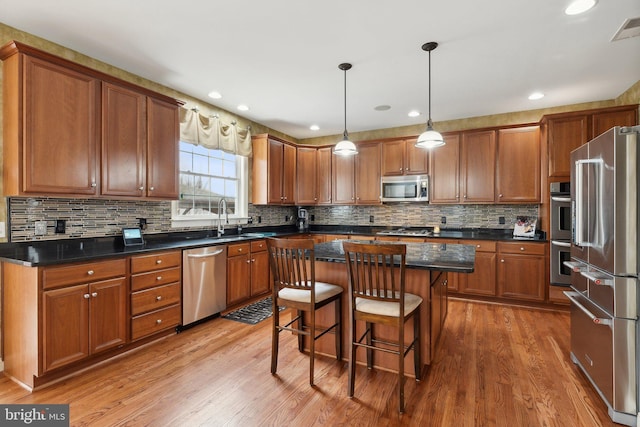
253 313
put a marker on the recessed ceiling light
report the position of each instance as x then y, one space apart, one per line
414 113
382 107
314 127
579 6
215 95
536 95
243 107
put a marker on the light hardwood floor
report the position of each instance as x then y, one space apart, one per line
495 366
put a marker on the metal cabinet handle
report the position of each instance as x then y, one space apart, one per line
521 248
158 261
159 298
93 184
159 278
94 294
477 246
502 260
90 272
141 188
151 188
86 296
158 321
248 261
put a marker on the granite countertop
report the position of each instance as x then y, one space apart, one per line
456 258
52 252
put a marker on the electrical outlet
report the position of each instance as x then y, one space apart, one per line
443 220
250 220
259 219
61 226
41 228
286 218
371 219
313 217
500 220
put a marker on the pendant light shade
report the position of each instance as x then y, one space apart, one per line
345 147
430 138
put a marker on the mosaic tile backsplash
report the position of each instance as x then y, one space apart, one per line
98 218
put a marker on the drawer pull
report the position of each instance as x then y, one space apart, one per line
158 321
90 272
152 188
159 298
248 261
141 188
502 260
158 261
477 246
522 249
159 278
94 294
86 296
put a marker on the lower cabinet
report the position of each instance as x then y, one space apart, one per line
247 271
483 280
79 320
521 270
155 293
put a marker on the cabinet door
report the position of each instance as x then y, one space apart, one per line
564 135
162 149
61 132
444 167
343 179
288 174
123 141
65 318
323 179
306 188
605 120
417 159
518 165
275 165
368 174
108 314
238 279
483 279
393 154
521 276
260 273
477 167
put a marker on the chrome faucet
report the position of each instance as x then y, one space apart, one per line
222 204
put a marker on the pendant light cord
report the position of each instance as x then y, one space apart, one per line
344 134
429 122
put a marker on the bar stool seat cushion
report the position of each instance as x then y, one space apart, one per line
385 308
323 292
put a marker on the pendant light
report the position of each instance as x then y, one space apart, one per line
430 138
345 147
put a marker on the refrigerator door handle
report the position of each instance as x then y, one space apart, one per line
598 278
580 236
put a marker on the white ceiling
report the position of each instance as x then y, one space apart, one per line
280 57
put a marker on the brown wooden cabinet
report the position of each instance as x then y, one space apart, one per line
518 165
521 270
313 183
247 271
156 293
274 171
438 307
477 167
567 131
343 186
51 130
483 279
53 123
367 174
85 318
402 157
444 165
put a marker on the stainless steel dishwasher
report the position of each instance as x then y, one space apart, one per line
204 283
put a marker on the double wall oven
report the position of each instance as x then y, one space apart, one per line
560 233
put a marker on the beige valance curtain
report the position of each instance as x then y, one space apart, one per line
210 132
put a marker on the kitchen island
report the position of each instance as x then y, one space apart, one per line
426 275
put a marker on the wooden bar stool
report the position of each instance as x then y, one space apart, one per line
377 296
294 286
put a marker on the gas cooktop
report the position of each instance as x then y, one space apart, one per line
418 232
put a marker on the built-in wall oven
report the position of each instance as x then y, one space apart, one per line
560 233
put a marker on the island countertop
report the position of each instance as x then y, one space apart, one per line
457 258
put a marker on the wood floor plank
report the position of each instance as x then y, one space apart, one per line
496 365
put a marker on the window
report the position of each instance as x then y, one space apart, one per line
206 177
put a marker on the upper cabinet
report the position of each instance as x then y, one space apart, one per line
73 131
567 131
313 180
274 171
356 179
402 157
444 164
518 165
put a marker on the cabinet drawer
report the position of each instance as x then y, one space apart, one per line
239 249
142 263
481 245
258 245
156 321
155 278
155 298
522 248
55 277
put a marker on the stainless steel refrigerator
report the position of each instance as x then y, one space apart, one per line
604 262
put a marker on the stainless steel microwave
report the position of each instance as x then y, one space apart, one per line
409 188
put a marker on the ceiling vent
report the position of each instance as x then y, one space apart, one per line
630 28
